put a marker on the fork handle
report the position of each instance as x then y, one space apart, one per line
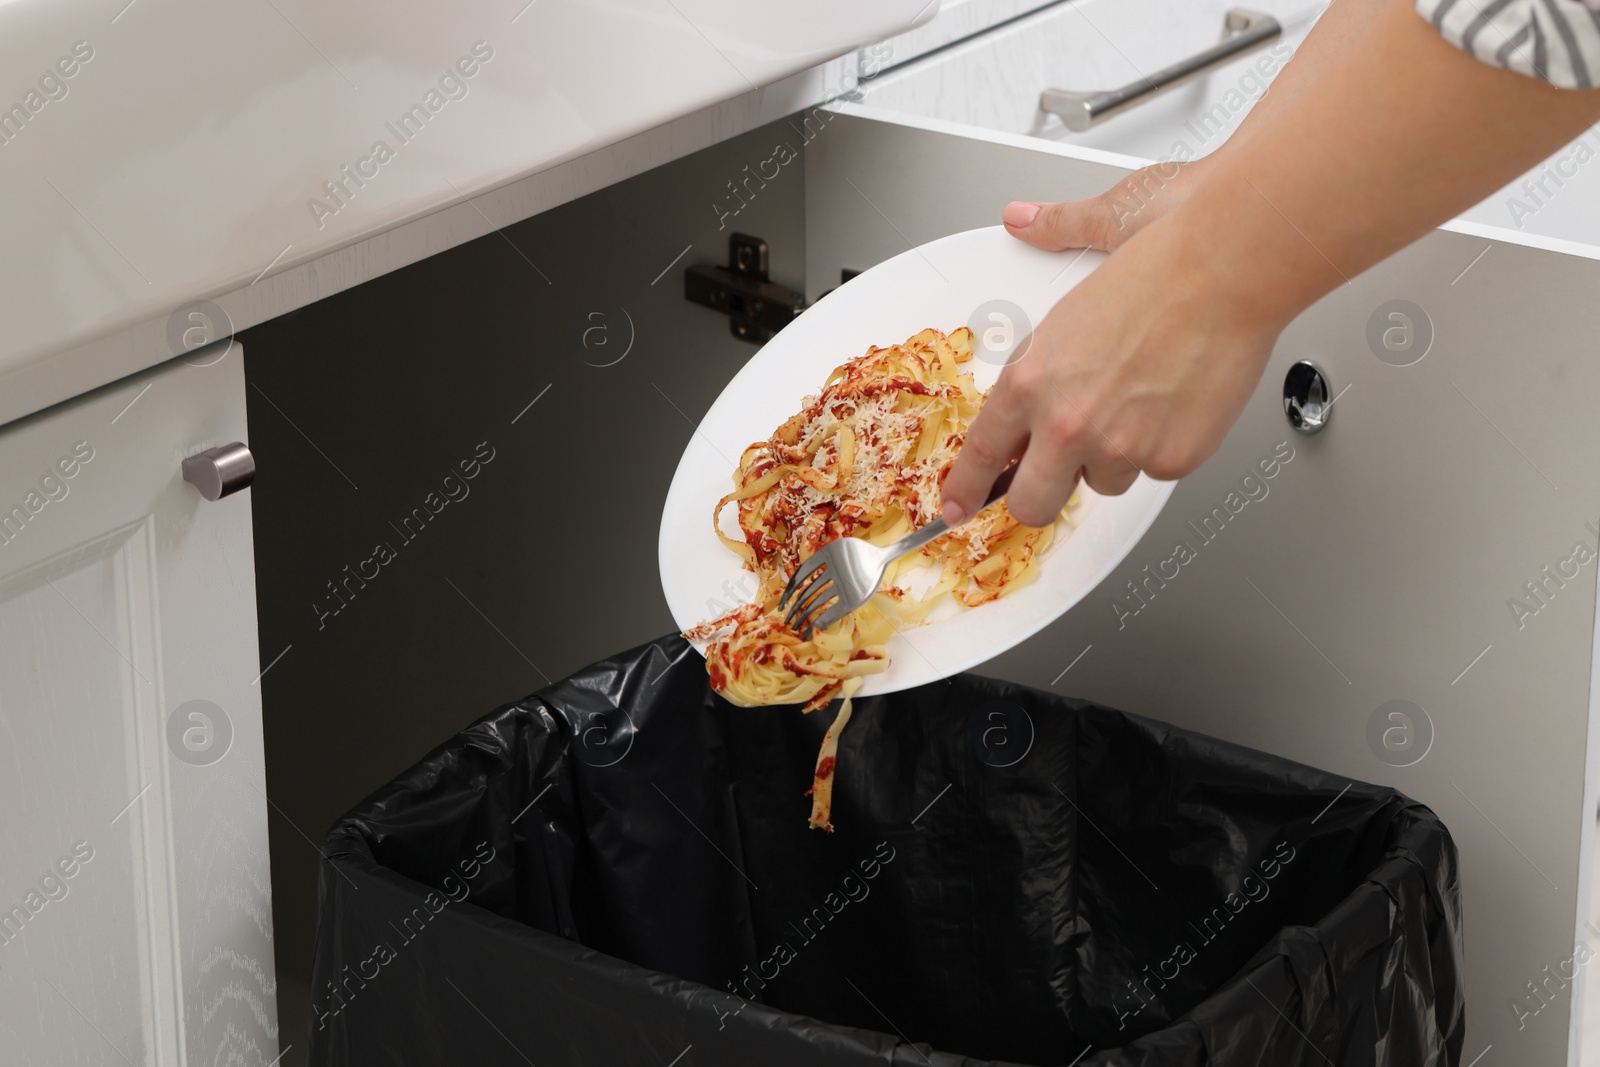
938 527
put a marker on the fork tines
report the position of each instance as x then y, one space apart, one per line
807 593
809 606
802 572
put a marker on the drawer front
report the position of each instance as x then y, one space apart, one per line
1435 544
993 80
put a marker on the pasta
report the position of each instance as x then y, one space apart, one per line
865 457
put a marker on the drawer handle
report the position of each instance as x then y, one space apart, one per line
1243 31
217 472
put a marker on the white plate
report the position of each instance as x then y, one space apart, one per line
941 284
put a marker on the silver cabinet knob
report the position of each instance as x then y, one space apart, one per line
1307 397
216 472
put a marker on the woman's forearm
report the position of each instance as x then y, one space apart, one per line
1149 360
1340 28
1399 133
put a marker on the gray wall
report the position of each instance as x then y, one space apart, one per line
362 404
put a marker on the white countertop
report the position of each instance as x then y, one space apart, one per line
262 156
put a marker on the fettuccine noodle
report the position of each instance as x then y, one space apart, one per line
864 458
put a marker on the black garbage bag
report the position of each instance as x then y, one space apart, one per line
617 871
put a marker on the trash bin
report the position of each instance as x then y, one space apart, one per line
617 871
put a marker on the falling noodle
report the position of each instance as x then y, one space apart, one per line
864 458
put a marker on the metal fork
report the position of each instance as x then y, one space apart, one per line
843 574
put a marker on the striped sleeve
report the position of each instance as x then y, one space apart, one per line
1557 41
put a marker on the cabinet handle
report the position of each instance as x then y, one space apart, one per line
1243 31
216 472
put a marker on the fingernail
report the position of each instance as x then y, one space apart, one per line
1020 214
953 514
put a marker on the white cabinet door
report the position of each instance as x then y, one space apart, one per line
135 921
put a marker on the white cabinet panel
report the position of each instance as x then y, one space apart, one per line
134 910
956 21
994 80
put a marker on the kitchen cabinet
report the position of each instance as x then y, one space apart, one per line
1491 357
1435 545
134 900
1377 566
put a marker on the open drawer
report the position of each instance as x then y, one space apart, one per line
995 80
1420 575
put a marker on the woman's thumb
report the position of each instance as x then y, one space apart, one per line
1055 227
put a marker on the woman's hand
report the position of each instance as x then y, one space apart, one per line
1106 221
1110 428
1147 362
1142 367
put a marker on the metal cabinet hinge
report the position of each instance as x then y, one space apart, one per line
756 306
